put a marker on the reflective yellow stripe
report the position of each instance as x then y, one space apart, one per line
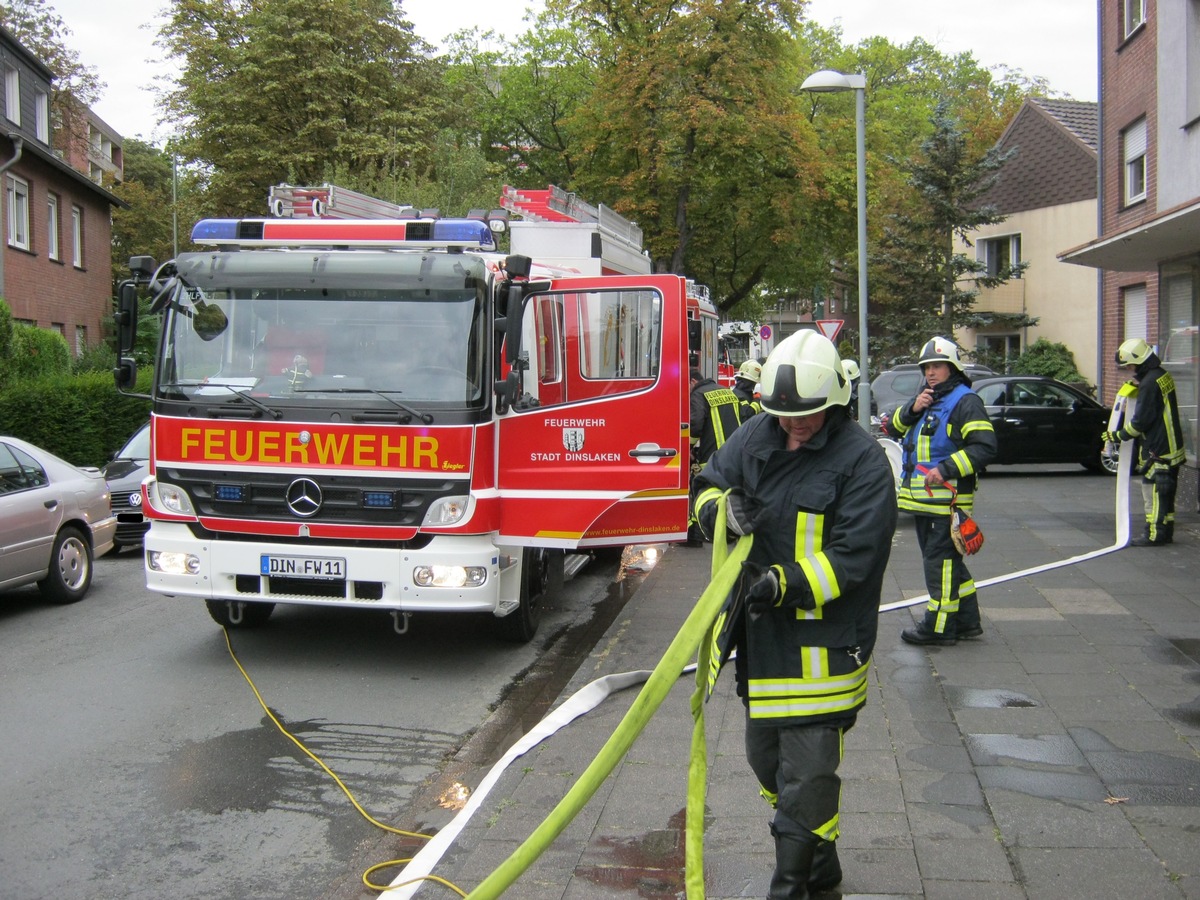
976 425
822 580
814 662
787 707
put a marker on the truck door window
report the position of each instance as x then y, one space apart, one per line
587 345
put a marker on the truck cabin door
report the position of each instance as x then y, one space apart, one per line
601 459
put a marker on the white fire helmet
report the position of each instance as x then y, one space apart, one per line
1133 352
850 369
940 349
750 370
803 375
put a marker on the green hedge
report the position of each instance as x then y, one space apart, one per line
81 417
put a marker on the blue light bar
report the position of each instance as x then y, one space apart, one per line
467 231
215 230
379 499
229 493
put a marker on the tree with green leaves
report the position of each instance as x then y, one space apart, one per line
292 90
921 286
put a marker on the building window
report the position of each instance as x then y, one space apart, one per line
80 339
12 95
1133 299
18 213
52 248
77 237
41 116
1133 144
1135 15
59 329
1000 254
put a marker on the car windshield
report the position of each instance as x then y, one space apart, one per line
304 328
138 446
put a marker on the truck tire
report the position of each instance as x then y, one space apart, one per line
540 569
252 614
70 572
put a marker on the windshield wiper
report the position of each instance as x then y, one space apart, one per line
243 395
427 418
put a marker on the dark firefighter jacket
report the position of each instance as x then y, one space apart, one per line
956 437
1155 424
743 389
828 514
716 413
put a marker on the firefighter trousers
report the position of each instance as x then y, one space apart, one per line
796 767
1158 497
953 602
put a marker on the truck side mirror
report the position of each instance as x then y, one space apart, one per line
125 373
126 316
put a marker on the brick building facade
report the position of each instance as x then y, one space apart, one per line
1149 244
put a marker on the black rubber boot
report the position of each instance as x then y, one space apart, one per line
924 634
793 867
826 871
967 617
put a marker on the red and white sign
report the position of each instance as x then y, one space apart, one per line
830 327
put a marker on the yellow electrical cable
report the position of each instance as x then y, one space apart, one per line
345 790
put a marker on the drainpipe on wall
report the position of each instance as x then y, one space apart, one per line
18 146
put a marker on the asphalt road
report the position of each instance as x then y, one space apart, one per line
136 762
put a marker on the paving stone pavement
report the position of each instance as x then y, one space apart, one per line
1056 757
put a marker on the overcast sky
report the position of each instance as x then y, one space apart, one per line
1052 38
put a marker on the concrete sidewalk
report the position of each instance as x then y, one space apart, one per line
1057 756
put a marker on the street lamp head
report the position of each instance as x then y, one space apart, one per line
827 81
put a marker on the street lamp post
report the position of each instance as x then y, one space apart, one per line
828 82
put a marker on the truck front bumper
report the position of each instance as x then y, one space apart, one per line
368 577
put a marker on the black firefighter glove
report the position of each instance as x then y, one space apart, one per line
760 588
742 513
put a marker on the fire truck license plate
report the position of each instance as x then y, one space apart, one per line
327 567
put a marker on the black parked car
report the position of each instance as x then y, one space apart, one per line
897 386
124 474
1042 420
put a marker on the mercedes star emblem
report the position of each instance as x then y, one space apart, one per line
304 497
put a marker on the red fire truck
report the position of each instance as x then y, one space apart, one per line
387 413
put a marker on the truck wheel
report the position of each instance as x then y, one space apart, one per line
70 572
250 615
540 568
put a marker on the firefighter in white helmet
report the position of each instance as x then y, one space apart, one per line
851 371
947 439
745 387
815 496
1159 434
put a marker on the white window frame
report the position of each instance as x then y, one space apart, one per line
1135 173
41 115
1133 301
1134 13
12 95
53 250
80 339
77 237
984 251
17 195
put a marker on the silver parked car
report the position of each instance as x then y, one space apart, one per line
55 518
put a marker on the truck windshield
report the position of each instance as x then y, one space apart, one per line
298 329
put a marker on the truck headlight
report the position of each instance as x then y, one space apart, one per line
173 563
449 576
446 511
170 499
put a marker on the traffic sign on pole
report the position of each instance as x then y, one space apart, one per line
830 327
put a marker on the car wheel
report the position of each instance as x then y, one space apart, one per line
1102 463
538 572
238 613
70 573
